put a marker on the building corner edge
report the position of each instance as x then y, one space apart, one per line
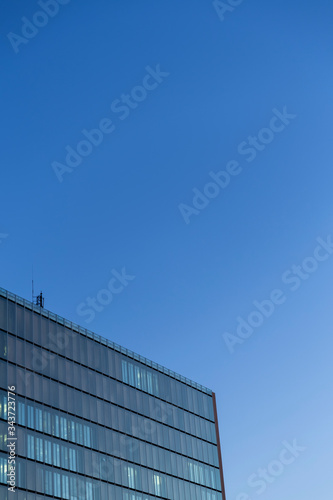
219 446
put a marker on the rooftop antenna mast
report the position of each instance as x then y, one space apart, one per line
32 285
38 300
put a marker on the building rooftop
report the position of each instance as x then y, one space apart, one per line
102 340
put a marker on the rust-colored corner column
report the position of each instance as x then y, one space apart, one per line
219 446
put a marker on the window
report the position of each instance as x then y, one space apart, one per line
39 419
3 470
57 489
130 477
30 413
21 414
150 383
65 487
124 371
89 490
11 316
40 479
212 477
63 428
71 426
79 433
137 377
73 488
72 459
64 457
87 435
56 454
140 377
30 446
55 428
47 422
3 345
3 406
157 485
3 313
48 452
48 482
155 384
39 449
131 374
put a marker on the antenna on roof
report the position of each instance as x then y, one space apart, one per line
38 300
32 284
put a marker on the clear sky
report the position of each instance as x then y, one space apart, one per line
180 91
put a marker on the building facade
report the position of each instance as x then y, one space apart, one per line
82 418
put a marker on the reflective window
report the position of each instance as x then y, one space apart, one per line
56 454
3 313
140 377
157 485
130 477
31 446
56 481
3 468
65 486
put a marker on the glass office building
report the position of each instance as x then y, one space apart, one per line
83 418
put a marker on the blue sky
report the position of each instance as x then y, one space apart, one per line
119 208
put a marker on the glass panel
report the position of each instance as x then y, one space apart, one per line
3 345
3 313
11 317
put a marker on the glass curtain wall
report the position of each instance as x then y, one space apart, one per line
96 422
